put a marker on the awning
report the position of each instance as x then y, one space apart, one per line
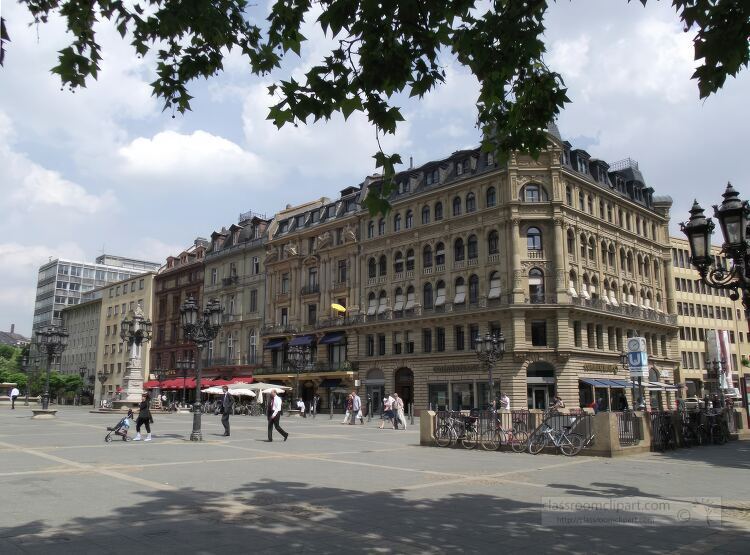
329 383
440 301
604 382
494 293
274 344
334 338
302 341
661 386
460 298
152 384
239 379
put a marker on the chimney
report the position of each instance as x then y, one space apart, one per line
12 328
411 163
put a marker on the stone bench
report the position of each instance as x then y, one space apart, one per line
43 414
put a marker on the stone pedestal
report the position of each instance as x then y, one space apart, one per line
44 414
132 385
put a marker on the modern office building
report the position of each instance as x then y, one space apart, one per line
82 323
707 316
61 282
119 300
235 276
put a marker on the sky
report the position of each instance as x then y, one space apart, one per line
105 170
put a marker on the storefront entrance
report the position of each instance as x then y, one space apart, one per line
540 384
404 379
375 390
538 396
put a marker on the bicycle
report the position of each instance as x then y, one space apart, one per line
666 437
718 430
493 438
462 428
569 443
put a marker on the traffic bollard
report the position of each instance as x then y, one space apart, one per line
369 411
411 413
331 407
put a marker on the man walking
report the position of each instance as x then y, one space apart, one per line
227 404
274 415
398 405
356 409
14 393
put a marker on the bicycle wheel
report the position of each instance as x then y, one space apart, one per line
443 436
537 443
519 442
722 435
470 439
687 437
671 438
491 440
571 444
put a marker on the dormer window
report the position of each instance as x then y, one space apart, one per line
432 176
565 157
283 227
462 167
300 221
315 217
583 165
490 159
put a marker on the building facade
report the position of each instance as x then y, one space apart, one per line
235 276
311 264
177 280
566 255
119 300
703 312
82 323
62 283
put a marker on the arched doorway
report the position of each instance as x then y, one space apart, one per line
540 384
375 389
404 381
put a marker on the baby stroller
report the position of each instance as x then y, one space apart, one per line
120 429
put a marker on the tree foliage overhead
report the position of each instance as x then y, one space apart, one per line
384 48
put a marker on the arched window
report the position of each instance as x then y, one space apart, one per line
584 242
493 242
440 254
601 209
594 288
536 285
472 247
458 250
494 292
591 204
381 226
372 304
534 239
382 266
457 206
656 270
471 203
631 295
473 289
571 242
409 221
592 249
427 296
425 214
609 213
398 262
603 252
613 291
397 222
585 287
372 268
370 229
427 257
398 306
581 201
410 260
534 193
440 294
572 284
252 347
630 262
646 267
611 256
568 196
491 197
623 265
438 211
658 302
460 297
382 303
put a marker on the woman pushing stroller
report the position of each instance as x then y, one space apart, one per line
144 418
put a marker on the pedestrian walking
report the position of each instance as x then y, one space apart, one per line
387 411
504 401
274 415
314 406
301 407
227 404
356 409
14 393
398 406
144 418
349 409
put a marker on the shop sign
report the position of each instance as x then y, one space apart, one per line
449 368
601 368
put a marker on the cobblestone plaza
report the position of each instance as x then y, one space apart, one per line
334 488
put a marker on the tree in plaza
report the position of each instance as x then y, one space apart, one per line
384 48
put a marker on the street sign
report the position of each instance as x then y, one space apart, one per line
637 357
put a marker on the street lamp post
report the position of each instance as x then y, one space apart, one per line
25 369
102 377
81 372
733 215
297 357
53 340
718 368
490 349
135 331
159 378
637 404
200 331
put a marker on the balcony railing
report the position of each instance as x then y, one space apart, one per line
340 322
535 255
226 318
341 284
231 280
279 329
626 310
312 289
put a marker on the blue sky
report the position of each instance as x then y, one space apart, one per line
76 170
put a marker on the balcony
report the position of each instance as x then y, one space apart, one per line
459 264
339 322
493 258
278 329
631 311
341 284
440 268
231 280
535 255
427 271
311 289
398 276
227 318
282 297
473 262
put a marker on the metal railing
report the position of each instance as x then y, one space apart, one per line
629 430
575 421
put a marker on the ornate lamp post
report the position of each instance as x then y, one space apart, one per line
81 372
159 378
134 331
733 215
200 331
718 367
297 357
102 377
53 340
184 366
490 349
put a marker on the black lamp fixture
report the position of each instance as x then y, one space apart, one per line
489 350
199 331
297 358
53 340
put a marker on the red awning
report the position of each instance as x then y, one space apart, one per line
151 385
240 379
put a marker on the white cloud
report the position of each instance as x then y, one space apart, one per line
198 159
569 57
18 259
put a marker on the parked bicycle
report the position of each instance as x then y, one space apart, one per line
457 428
665 436
569 443
496 435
